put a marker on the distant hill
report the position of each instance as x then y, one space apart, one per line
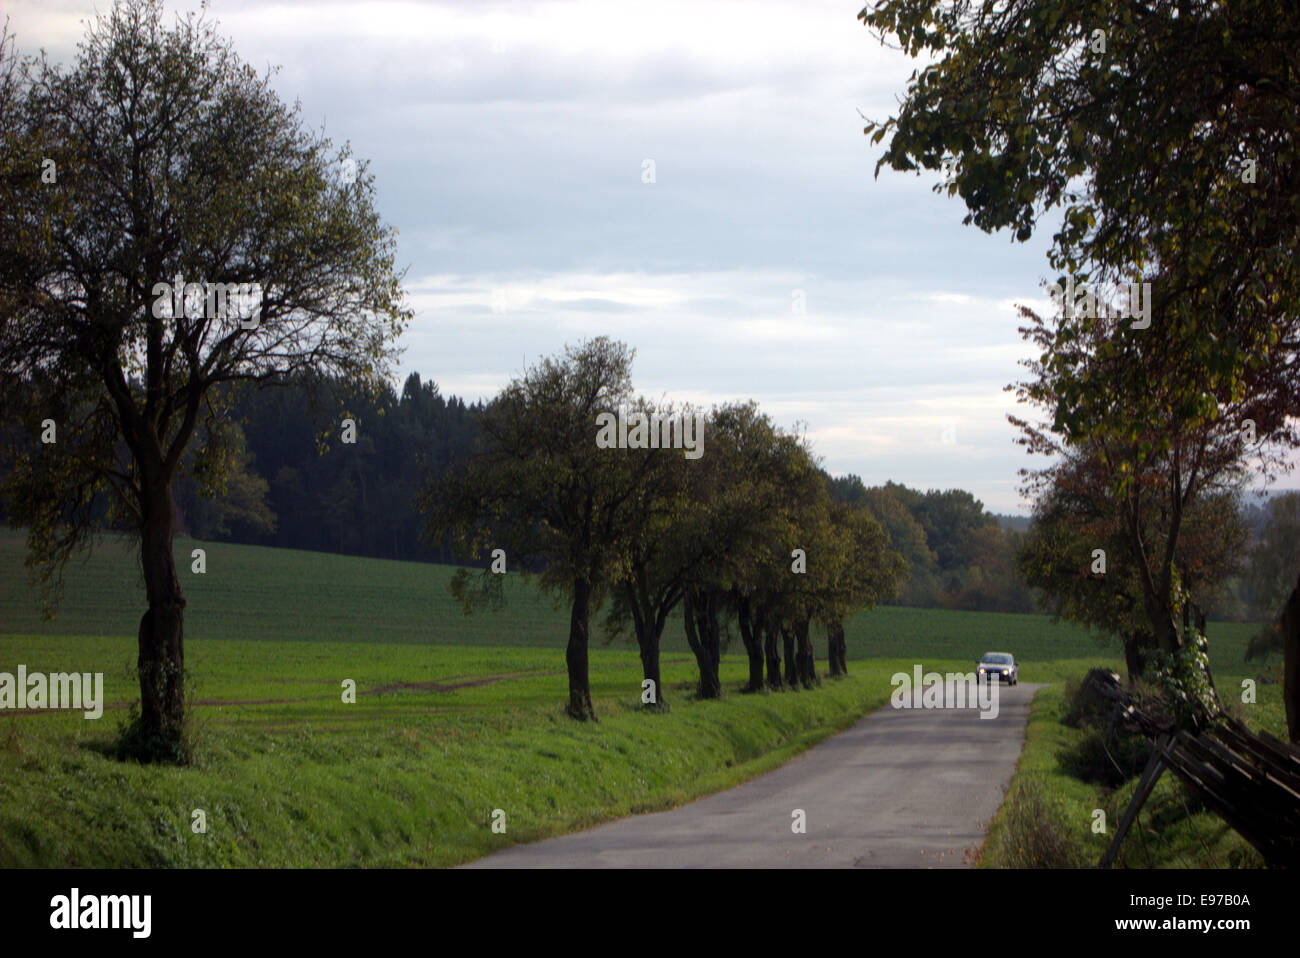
1254 508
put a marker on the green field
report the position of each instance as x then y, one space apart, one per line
283 595
454 717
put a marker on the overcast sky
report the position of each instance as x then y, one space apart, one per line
511 145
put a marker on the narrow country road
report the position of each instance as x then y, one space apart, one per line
903 788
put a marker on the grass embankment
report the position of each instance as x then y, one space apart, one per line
409 775
1063 777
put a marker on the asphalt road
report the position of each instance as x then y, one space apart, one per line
903 788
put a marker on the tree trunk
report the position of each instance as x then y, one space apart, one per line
1134 654
649 632
755 668
711 637
771 633
1155 597
701 636
1137 646
835 648
576 654
807 664
650 665
1291 663
1167 636
791 666
692 637
751 629
161 661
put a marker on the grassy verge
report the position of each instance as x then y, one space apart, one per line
1048 816
409 775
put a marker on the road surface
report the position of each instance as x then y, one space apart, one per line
903 788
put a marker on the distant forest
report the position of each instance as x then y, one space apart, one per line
296 483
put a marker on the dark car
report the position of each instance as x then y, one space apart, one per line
1000 664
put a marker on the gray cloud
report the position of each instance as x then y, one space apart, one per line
508 141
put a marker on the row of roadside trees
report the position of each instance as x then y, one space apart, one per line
745 535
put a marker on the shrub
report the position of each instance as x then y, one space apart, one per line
1106 756
170 747
1085 705
1034 835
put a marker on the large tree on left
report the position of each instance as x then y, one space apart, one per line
159 158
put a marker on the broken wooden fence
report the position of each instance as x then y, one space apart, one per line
1250 780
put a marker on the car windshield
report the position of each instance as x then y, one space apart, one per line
997 658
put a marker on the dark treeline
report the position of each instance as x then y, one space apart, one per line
296 481
358 498
298 488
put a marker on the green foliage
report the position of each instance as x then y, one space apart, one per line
1076 514
214 496
142 106
538 486
1142 141
1275 558
61 490
357 498
1141 146
957 555
284 489
136 742
1183 677
906 535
